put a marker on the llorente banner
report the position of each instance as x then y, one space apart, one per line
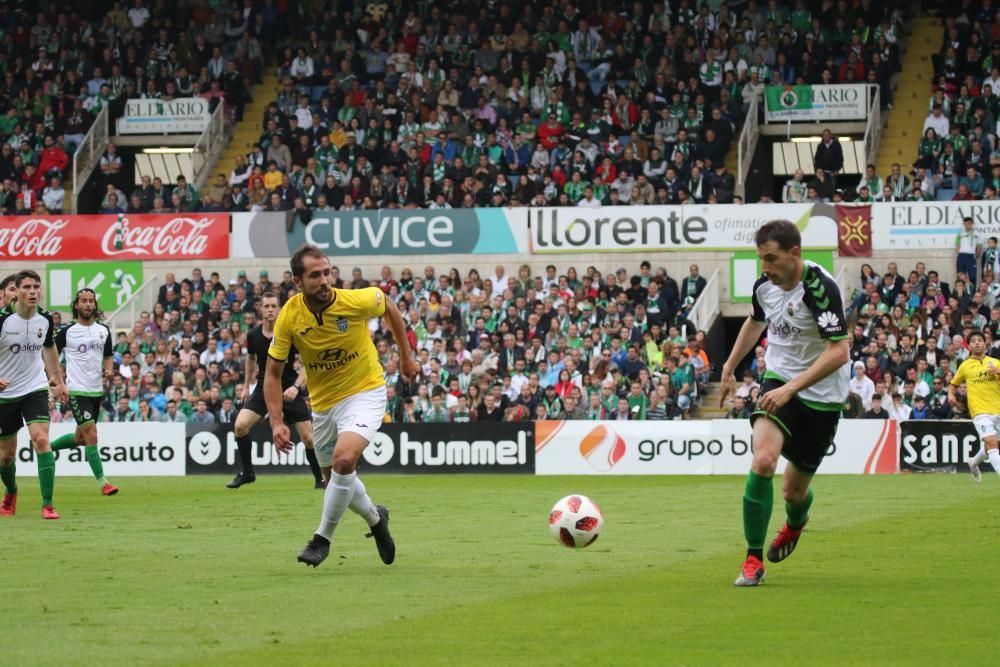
718 227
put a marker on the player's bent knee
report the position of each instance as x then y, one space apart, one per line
344 464
764 464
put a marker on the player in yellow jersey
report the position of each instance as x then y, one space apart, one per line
979 373
329 328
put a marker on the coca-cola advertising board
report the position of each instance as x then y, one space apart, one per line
170 236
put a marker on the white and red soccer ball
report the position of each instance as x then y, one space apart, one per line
576 521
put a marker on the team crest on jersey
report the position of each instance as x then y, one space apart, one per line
790 309
342 324
40 332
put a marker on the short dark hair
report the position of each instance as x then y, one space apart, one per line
267 295
298 264
976 334
782 232
21 276
7 281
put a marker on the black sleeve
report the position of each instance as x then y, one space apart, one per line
49 339
822 296
60 337
756 312
109 350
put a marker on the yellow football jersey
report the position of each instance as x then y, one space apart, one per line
982 387
335 346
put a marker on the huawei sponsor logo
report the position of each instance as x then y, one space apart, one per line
177 237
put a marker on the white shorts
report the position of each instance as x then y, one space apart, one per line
986 425
361 413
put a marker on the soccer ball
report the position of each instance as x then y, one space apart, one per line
576 521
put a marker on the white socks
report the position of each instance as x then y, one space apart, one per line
342 492
994 455
336 499
362 504
979 457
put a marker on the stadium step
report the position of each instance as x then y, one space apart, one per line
901 135
247 132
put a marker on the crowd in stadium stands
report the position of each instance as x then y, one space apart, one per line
503 346
957 156
557 346
911 332
428 104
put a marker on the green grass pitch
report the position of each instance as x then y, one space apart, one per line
893 570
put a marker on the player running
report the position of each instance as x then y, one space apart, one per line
292 392
330 329
90 359
805 386
29 363
979 373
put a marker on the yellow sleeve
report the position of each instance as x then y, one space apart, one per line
959 376
281 343
369 302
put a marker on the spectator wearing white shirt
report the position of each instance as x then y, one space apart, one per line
138 15
302 66
993 81
862 385
897 409
54 196
938 121
589 200
749 383
794 191
211 353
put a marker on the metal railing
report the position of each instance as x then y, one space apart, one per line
209 146
88 154
747 145
125 315
706 308
873 130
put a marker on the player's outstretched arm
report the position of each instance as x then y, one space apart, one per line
280 434
408 366
834 356
749 334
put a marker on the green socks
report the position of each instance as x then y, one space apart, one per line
94 459
799 514
64 442
46 476
758 501
7 476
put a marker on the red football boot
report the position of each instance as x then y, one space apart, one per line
49 512
9 505
784 544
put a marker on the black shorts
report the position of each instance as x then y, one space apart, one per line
27 409
295 411
808 432
86 409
